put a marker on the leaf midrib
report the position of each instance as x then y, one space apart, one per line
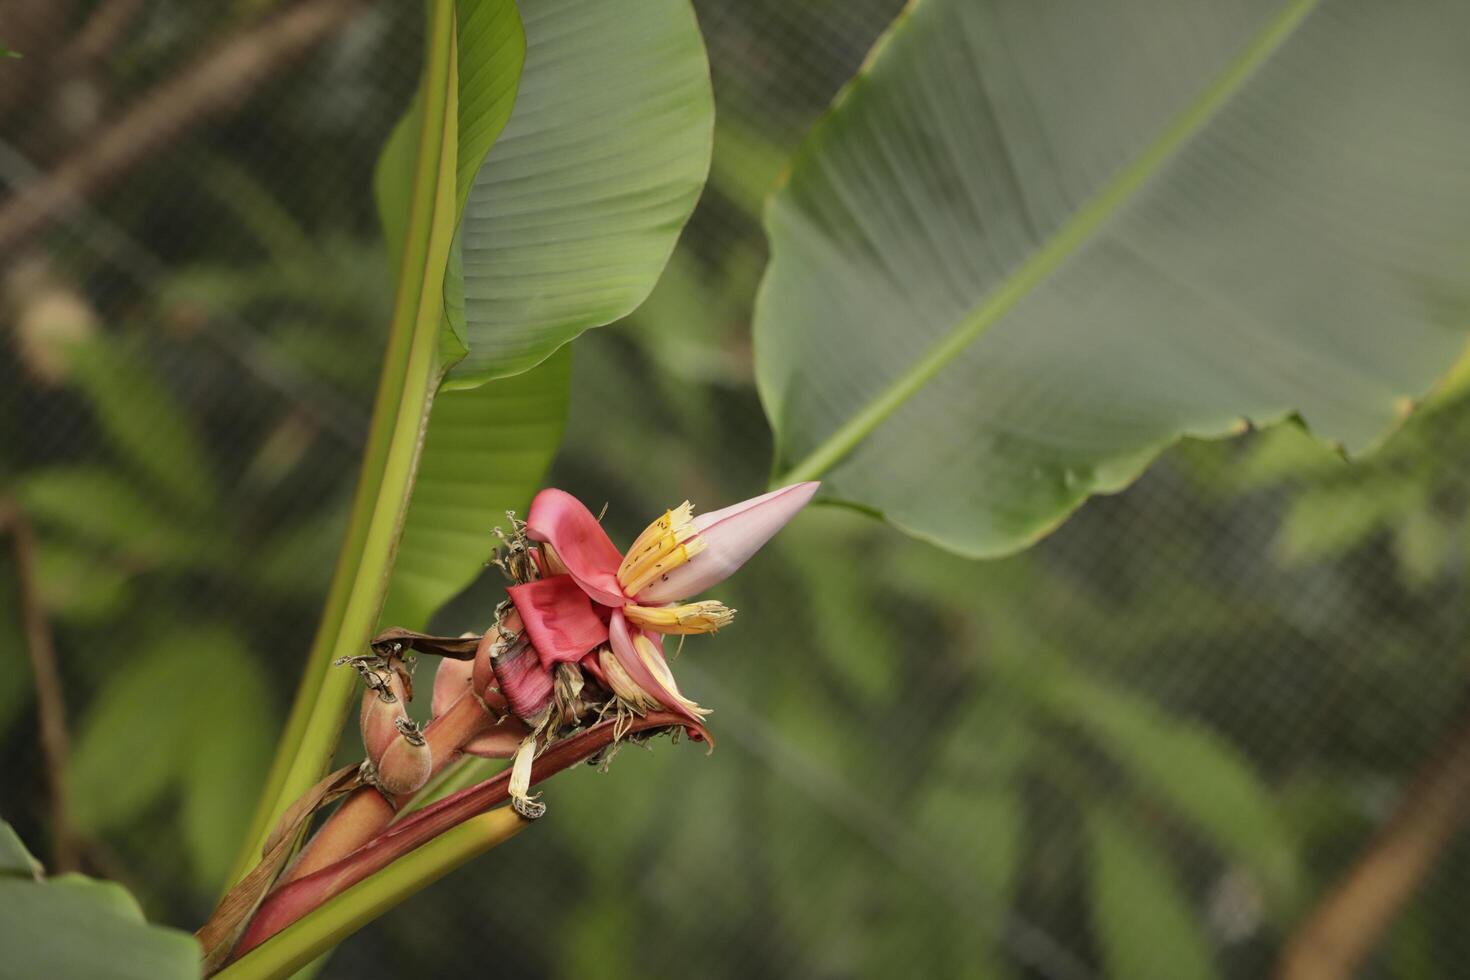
1068 239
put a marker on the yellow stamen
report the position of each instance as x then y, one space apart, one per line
637 699
696 617
663 546
651 658
670 522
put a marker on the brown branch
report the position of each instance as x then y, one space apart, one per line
32 28
219 81
99 35
50 700
1347 924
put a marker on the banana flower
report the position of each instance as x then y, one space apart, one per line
608 611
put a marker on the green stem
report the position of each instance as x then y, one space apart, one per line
334 920
411 375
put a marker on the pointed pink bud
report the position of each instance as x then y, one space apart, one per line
730 537
580 542
559 617
451 681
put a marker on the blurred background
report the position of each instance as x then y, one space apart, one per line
1205 714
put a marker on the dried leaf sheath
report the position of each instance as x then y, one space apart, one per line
218 935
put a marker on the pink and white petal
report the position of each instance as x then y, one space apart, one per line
593 669
620 638
559 618
730 537
580 542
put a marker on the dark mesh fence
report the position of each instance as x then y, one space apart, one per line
1179 721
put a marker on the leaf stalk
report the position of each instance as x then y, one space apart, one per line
412 371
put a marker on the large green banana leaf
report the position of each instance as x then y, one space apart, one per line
569 222
484 450
578 205
1034 243
74 926
485 453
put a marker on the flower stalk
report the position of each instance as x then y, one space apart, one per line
474 720
334 920
571 667
295 900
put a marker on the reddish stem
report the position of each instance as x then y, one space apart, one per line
366 812
291 901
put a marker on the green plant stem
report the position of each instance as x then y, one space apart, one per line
339 917
411 374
